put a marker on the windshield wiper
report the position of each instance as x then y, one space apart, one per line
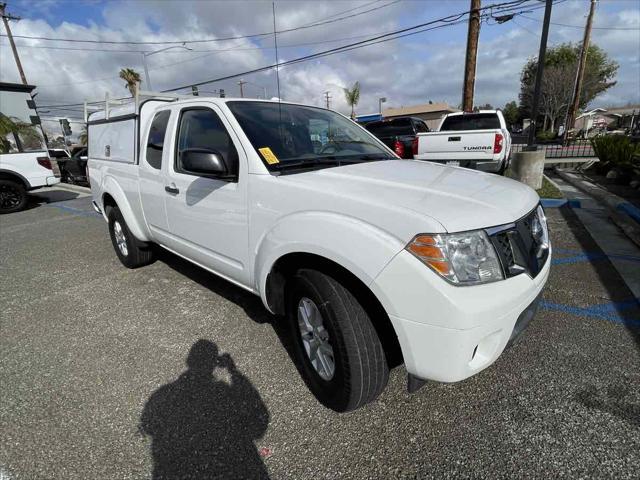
311 162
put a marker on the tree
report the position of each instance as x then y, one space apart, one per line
83 137
561 64
132 78
511 113
486 106
24 135
352 95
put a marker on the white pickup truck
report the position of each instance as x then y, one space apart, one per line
364 256
478 140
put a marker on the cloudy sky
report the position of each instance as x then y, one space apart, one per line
409 70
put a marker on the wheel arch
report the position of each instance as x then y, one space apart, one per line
286 266
14 176
114 196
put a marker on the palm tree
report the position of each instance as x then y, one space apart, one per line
352 95
132 78
82 138
23 134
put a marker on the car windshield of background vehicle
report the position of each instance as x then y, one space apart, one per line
295 136
471 121
391 128
18 134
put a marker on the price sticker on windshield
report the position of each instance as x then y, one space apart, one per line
268 155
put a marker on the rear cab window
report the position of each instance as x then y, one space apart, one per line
401 126
471 121
155 142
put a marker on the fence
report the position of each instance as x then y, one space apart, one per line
574 149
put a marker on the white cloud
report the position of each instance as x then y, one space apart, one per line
408 71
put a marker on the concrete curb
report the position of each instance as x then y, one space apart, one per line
614 204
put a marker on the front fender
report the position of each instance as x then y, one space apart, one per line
112 187
361 248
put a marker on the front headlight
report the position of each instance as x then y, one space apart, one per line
461 258
539 229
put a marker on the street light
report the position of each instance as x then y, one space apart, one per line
144 60
264 89
381 100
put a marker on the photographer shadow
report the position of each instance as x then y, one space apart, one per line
203 427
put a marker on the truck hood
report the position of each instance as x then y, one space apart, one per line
459 199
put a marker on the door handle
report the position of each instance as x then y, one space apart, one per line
172 189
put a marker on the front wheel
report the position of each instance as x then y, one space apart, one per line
335 345
131 252
13 196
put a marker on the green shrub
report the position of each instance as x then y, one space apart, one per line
615 150
546 135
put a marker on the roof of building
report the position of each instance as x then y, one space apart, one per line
418 109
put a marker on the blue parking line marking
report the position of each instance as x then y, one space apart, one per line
607 311
630 209
578 256
73 211
559 202
591 256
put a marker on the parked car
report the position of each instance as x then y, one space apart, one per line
24 162
359 253
478 140
399 134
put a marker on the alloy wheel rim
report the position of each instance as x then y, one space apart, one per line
121 240
315 338
9 197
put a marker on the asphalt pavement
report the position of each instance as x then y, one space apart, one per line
106 374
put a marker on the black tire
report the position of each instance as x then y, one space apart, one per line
137 253
13 196
361 370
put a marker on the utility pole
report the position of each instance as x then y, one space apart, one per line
539 71
327 98
5 18
575 103
241 83
472 53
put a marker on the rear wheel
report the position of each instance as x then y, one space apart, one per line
132 252
13 196
335 345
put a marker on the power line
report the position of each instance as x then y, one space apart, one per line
449 21
577 26
182 42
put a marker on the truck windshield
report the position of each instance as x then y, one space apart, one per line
296 136
471 121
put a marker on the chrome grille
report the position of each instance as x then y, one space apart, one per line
517 248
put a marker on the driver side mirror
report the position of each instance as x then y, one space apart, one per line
204 162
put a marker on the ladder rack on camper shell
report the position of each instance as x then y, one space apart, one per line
114 129
138 99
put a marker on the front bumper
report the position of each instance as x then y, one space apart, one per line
448 333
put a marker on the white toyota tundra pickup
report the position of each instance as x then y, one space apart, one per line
479 140
368 259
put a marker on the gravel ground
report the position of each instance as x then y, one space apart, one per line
106 374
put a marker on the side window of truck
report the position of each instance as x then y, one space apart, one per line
155 142
201 128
